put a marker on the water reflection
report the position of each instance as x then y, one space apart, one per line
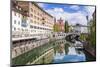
66 52
52 52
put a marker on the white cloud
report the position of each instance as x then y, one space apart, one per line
75 7
90 10
57 13
72 18
77 18
41 5
58 10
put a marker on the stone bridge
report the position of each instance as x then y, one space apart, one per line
72 36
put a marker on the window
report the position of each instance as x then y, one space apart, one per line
31 26
19 15
35 17
31 15
34 11
34 21
14 28
14 21
31 21
34 27
24 22
31 9
38 13
38 18
19 22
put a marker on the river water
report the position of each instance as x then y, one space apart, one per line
66 52
62 52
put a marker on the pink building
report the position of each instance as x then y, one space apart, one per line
60 23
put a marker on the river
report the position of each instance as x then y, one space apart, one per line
59 51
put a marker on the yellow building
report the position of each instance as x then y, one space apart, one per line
41 22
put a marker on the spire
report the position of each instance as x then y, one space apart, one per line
60 18
87 18
54 20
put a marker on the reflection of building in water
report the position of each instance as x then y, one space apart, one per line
67 53
59 49
47 57
29 23
79 54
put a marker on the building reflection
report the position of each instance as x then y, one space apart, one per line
66 52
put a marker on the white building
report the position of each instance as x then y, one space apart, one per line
30 21
78 28
20 22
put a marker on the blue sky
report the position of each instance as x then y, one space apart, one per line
72 13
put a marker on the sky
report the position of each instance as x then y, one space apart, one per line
71 13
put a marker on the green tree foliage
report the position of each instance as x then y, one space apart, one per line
83 37
66 27
92 35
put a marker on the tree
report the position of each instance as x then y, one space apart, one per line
66 27
92 34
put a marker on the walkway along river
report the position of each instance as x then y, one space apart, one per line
59 51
